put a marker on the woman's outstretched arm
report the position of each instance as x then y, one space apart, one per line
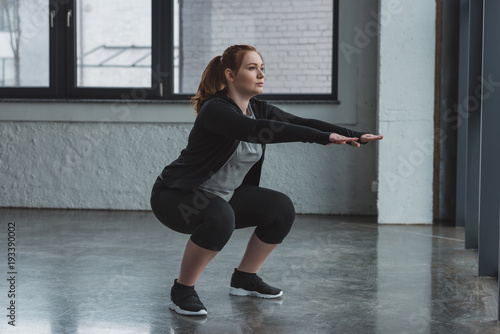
220 118
276 113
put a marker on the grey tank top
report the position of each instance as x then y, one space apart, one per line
231 175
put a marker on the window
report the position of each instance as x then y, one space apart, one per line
6 11
24 47
113 50
158 49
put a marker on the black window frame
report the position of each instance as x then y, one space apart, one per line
63 67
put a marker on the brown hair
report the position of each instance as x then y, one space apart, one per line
213 78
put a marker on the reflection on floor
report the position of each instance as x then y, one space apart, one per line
111 272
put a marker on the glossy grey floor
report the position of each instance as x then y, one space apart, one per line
111 272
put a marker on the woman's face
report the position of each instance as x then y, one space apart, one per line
250 78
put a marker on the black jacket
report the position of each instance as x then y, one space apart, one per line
221 125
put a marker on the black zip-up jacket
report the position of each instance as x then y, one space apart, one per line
221 125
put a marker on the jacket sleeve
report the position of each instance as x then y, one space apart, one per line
223 119
276 113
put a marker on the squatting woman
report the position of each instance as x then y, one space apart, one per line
213 186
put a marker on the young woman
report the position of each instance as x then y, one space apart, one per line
213 186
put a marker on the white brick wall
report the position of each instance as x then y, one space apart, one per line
294 37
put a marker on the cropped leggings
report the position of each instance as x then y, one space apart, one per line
211 220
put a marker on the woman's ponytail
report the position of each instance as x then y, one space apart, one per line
214 78
212 81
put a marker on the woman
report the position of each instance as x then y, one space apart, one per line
213 186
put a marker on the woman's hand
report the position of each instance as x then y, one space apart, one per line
367 137
335 138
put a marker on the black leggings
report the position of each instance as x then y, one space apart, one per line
211 220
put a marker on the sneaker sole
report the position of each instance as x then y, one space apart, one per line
243 292
178 310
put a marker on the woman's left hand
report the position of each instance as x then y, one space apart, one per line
367 137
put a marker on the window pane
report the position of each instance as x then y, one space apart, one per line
113 43
295 38
24 43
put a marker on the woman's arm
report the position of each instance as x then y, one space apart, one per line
221 118
276 113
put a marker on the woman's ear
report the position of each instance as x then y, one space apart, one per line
229 75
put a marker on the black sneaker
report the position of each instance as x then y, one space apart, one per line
246 284
184 300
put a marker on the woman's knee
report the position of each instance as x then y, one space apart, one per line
287 209
215 229
208 218
283 216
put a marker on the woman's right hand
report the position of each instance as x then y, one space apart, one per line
335 138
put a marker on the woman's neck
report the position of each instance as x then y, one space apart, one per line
242 102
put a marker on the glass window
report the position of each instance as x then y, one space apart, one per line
113 43
295 39
24 43
158 49
5 10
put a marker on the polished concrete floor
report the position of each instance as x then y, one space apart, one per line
110 272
